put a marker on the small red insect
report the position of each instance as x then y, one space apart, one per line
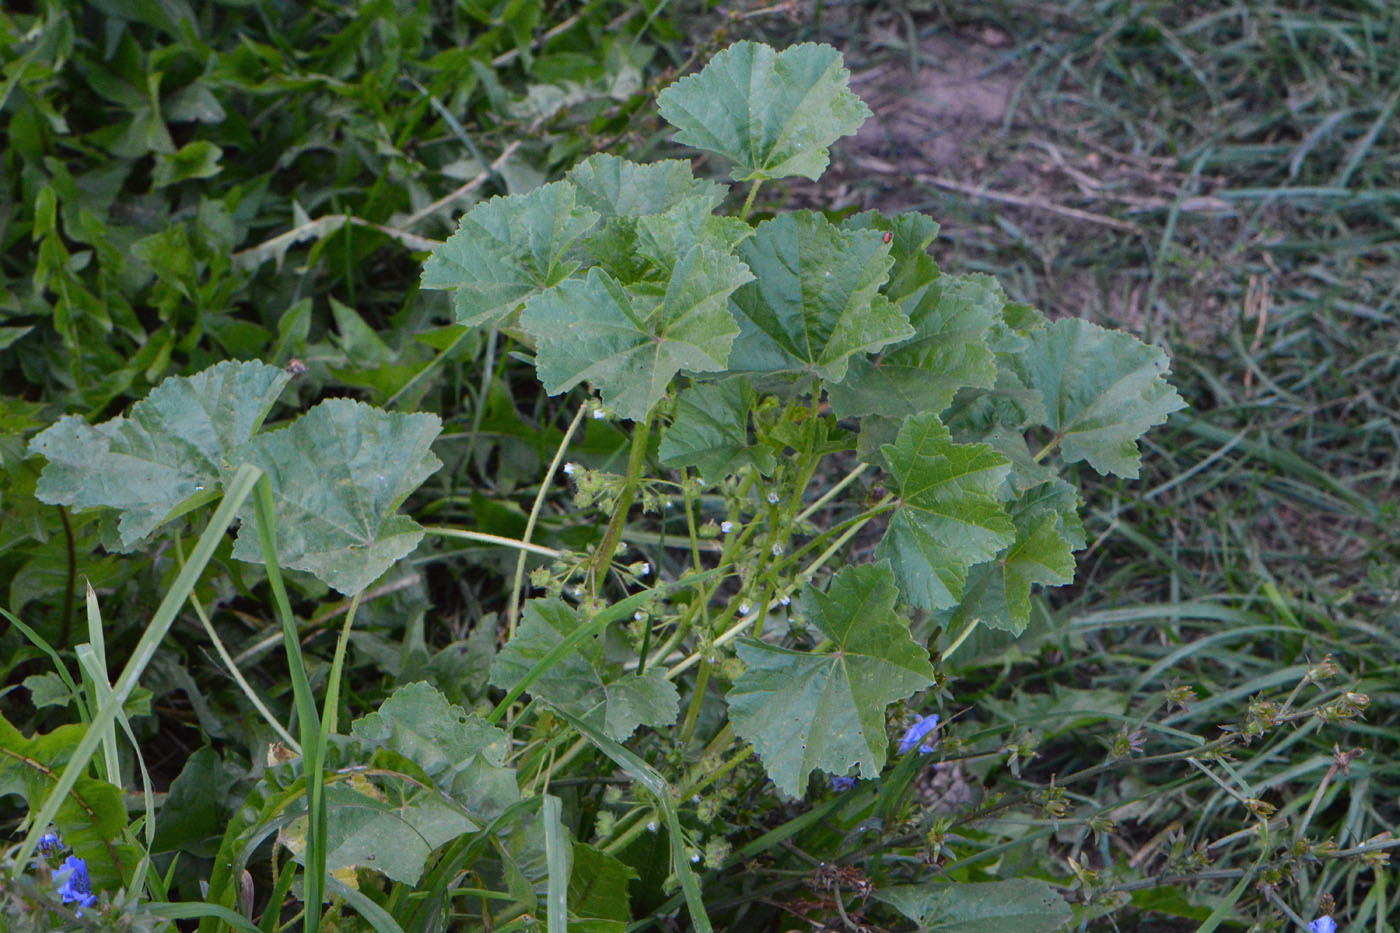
888 236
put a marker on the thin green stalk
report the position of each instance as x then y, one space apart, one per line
748 202
308 720
636 460
513 603
233 670
485 538
235 493
697 700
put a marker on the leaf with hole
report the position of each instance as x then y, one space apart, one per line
804 710
1021 904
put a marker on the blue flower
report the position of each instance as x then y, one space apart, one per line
50 844
74 885
841 783
914 735
1323 924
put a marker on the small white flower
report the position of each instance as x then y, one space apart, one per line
785 600
695 856
777 550
651 827
576 592
772 498
599 414
726 527
639 616
744 609
569 468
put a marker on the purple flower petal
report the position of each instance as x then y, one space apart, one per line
841 782
914 735
1323 924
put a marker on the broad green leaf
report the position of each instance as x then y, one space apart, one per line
389 825
806 710
615 187
1021 904
662 239
175 445
339 474
508 249
910 236
948 352
625 194
190 816
773 114
462 753
631 341
816 299
1103 390
598 885
585 683
417 722
948 518
1048 532
711 431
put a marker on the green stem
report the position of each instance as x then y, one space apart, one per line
962 637
1045 451
636 460
748 202
697 700
512 605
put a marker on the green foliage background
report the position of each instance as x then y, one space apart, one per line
181 185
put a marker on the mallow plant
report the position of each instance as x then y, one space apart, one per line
843 460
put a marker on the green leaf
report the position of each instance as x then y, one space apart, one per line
949 518
806 710
507 249
199 159
598 885
773 114
816 299
631 341
616 188
584 683
338 475
175 445
625 194
1048 532
948 352
89 816
389 825
663 239
190 816
711 432
461 752
1022 904
1103 390
911 234
47 690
